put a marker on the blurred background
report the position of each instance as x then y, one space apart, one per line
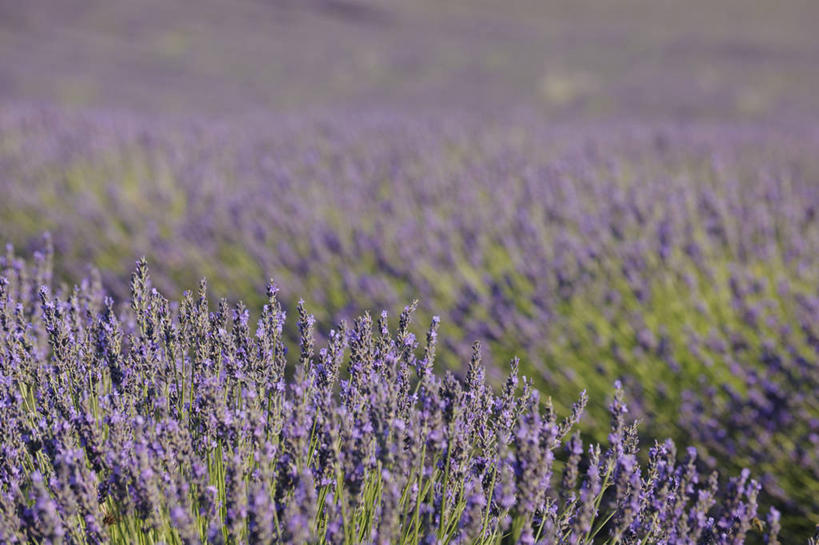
745 59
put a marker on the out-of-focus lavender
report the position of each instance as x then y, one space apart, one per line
570 59
680 260
175 422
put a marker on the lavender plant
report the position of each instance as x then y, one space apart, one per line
172 422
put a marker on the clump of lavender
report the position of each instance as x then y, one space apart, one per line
163 422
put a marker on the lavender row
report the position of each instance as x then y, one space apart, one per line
170 422
680 260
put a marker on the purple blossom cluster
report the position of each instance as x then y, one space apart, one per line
175 422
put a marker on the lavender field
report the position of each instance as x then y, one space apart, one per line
347 271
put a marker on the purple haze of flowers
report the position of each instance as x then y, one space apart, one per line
678 258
